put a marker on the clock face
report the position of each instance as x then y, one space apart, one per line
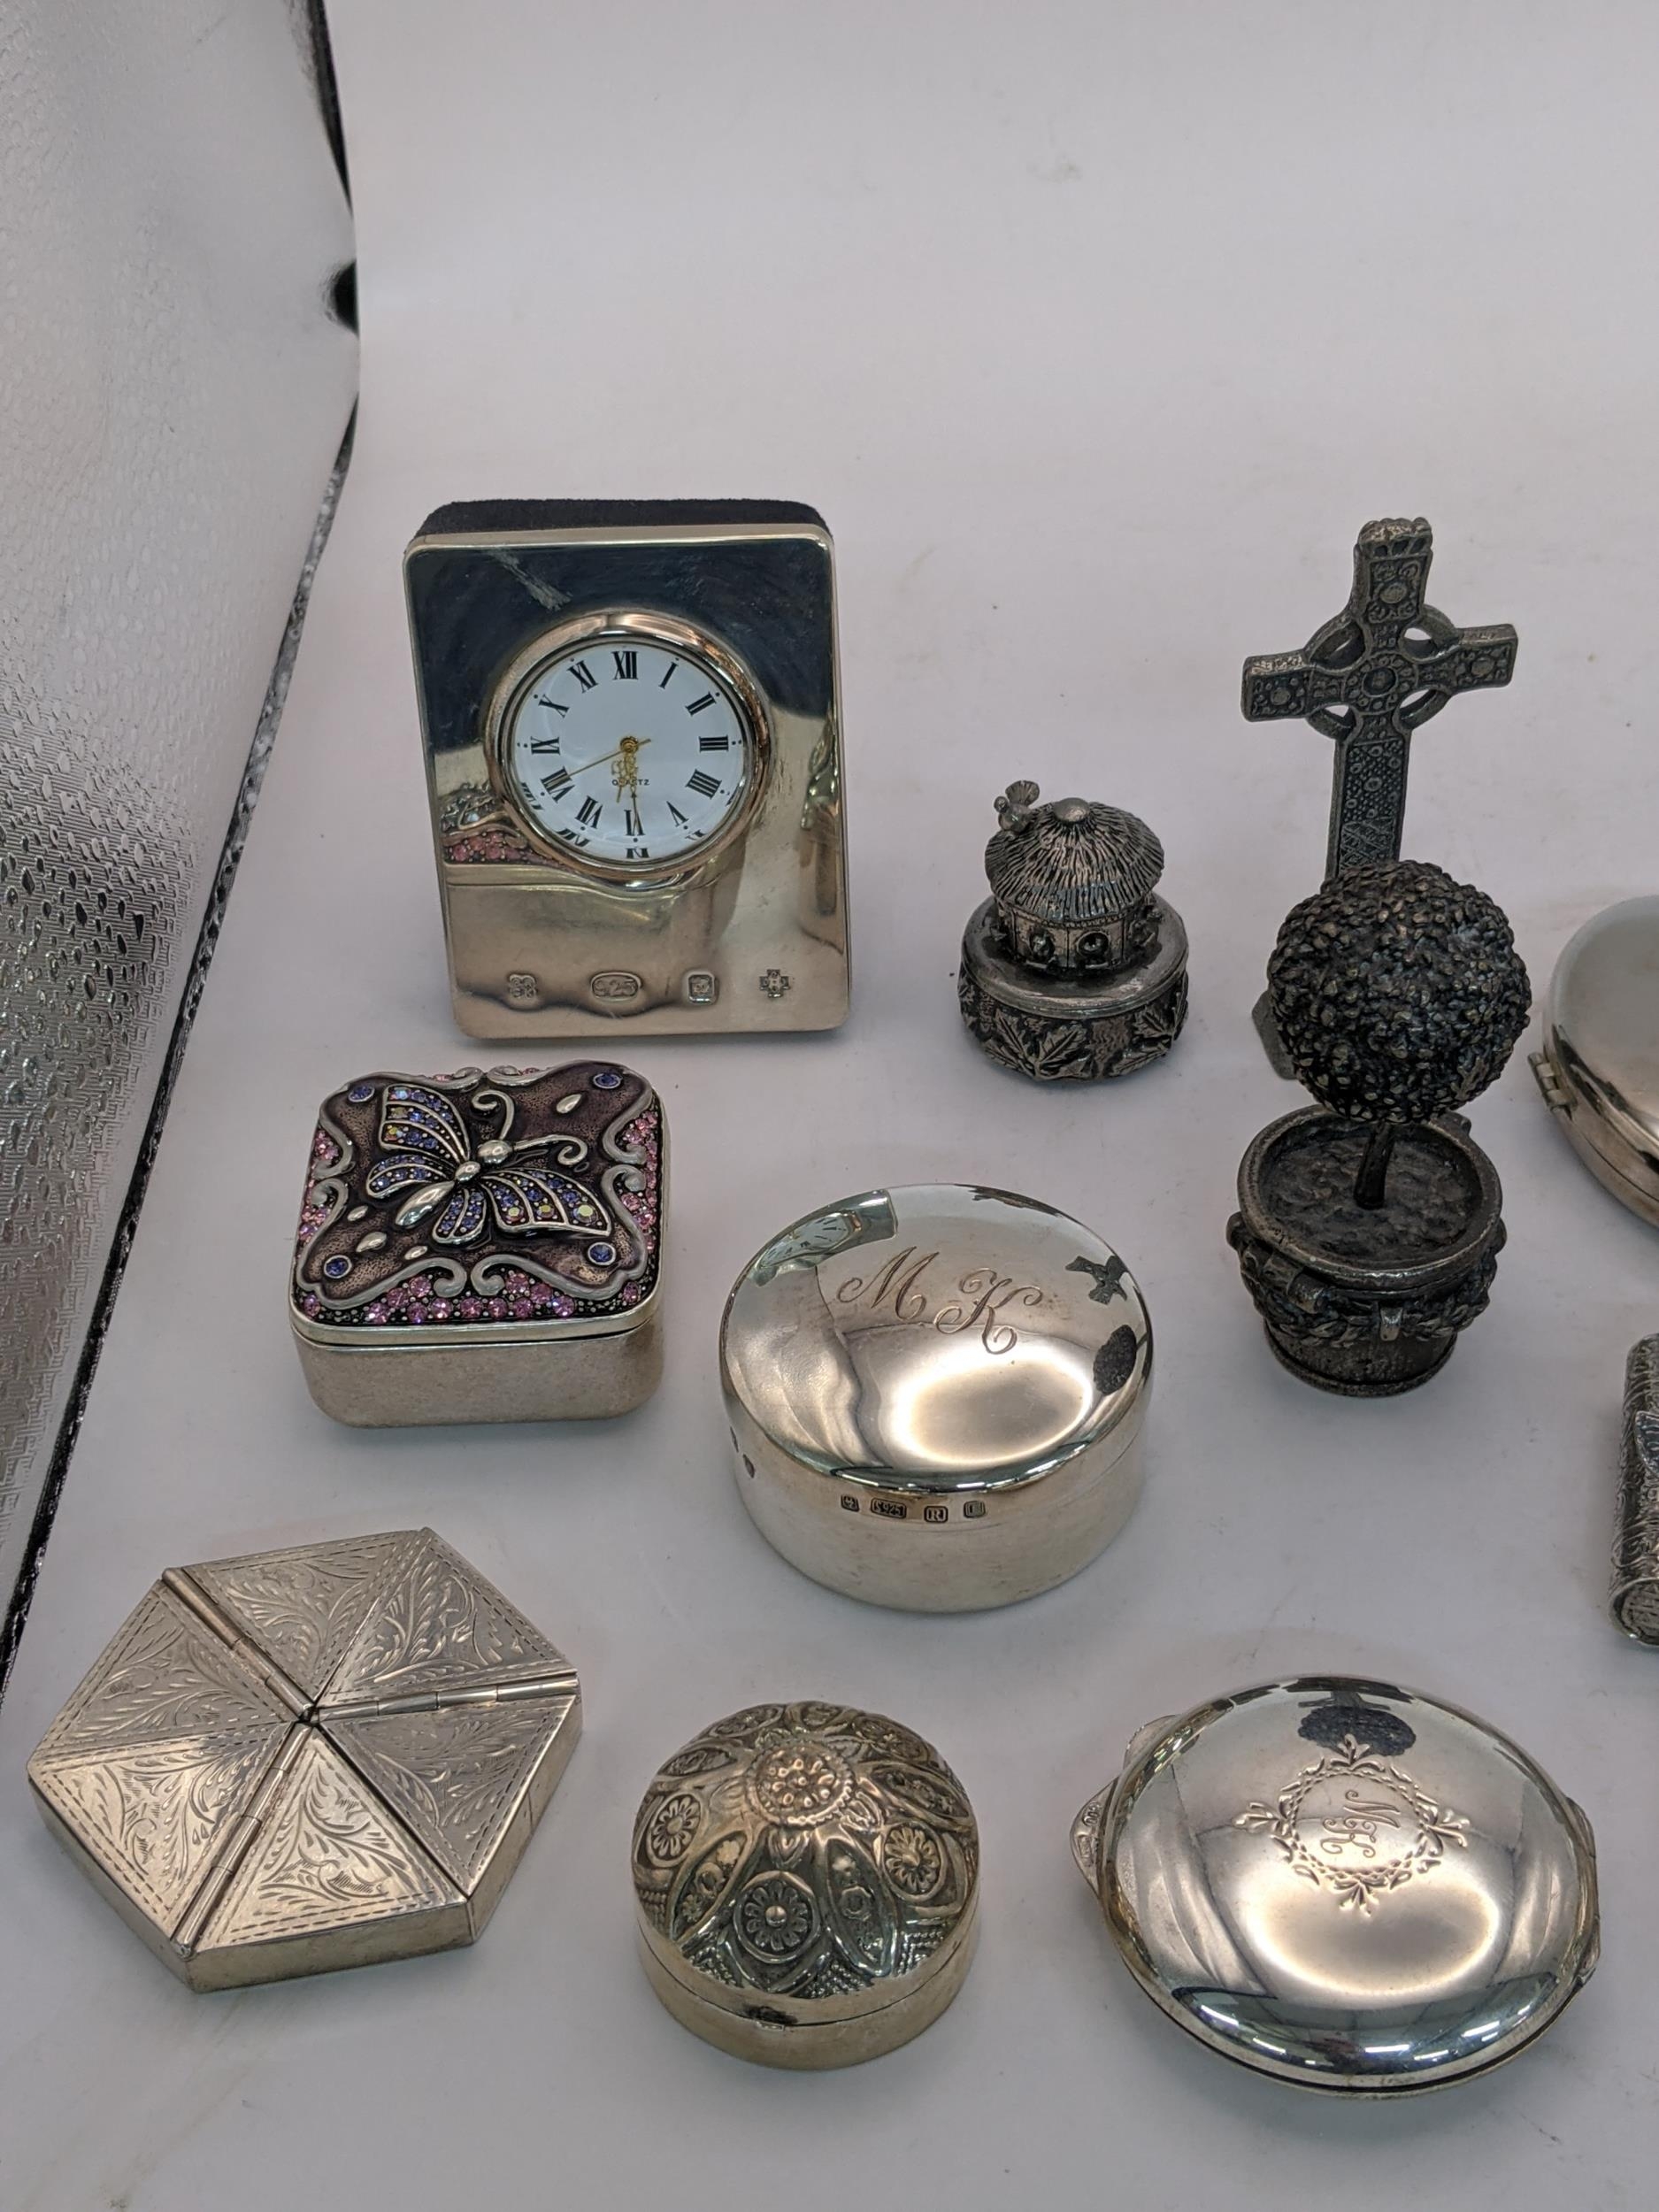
628 749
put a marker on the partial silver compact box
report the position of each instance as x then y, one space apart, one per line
308 1759
1344 1885
633 733
806 1881
1598 1068
482 1247
936 1394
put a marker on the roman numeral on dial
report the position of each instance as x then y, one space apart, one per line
628 665
697 705
589 811
542 699
557 784
584 675
545 744
703 783
716 741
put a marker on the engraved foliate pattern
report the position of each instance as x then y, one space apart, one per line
154 1813
215 1808
437 1626
303 1607
165 1677
457 1775
327 1856
808 1849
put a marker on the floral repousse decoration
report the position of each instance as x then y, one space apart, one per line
805 1850
1355 1825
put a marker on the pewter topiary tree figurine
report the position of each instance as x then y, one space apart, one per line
1398 994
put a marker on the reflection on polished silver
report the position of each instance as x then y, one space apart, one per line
309 1759
936 1394
806 1879
633 733
484 1246
1344 1885
1635 1597
1075 968
1598 1068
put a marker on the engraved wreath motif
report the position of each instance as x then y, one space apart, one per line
1372 1803
806 1850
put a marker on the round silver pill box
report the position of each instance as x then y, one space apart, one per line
936 1394
1598 1068
806 1882
1344 1885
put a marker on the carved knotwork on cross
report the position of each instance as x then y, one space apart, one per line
1370 677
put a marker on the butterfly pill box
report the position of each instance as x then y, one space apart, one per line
482 1247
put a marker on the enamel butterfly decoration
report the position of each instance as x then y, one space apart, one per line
428 1151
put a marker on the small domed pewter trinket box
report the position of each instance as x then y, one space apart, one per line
1074 969
482 1247
1598 1068
1369 1227
309 1759
936 1395
806 1878
1344 1885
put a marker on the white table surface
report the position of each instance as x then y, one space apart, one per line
1096 331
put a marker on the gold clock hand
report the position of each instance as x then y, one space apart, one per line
629 746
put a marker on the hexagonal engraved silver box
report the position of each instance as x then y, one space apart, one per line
936 1394
307 1759
484 1246
1344 1885
806 1880
1599 1067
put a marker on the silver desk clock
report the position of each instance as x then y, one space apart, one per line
632 721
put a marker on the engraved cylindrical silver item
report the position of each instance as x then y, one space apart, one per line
936 1395
806 1882
1635 1593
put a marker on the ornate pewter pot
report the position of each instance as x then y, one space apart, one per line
1075 968
1368 1228
1358 1306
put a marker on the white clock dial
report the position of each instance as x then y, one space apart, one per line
623 750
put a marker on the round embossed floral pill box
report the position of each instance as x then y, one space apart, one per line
806 1878
936 1394
482 1247
1344 1885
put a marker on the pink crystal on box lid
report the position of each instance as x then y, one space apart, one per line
484 1197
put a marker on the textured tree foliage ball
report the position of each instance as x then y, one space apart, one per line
1398 993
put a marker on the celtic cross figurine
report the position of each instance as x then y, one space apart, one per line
1370 677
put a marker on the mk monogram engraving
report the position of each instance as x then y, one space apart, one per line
1356 1826
978 1300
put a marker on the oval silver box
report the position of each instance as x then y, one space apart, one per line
806 1884
1598 1068
936 1394
1344 1885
